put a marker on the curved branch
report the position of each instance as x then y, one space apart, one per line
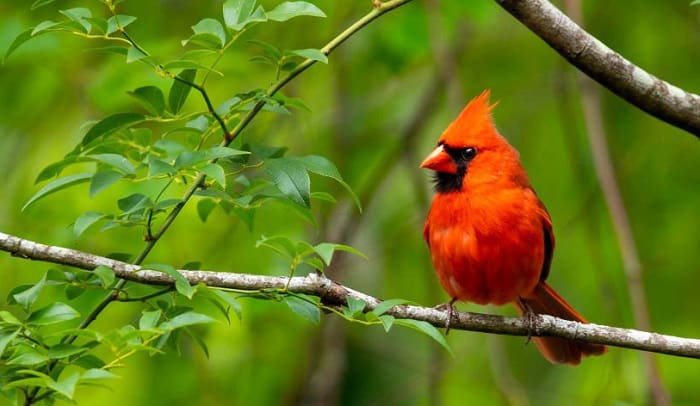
638 87
335 294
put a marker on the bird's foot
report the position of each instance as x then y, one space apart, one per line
530 318
451 312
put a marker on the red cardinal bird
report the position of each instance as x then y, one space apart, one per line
490 236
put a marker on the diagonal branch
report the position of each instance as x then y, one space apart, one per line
638 87
335 294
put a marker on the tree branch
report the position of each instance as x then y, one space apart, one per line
638 87
335 294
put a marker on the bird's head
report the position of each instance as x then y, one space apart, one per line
470 140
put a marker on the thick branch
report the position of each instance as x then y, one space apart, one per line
334 294
638 87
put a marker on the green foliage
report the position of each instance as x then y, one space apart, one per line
35 356
301 252
179 148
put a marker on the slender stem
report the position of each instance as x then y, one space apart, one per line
146 297
205 96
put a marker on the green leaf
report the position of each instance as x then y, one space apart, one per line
427 329
313 54
291 9
315 263
111 124
216 172
189 158
293 102
185 319
272 53
114 160
99 23
66 386
96 374
6 338
167 203
9 318
307 310
20 39
278 243
40 3
27 297
323 196
89 361
134 203
325 250
322 166
43 26
209 31
134 54
118 20
105 274
387 321
60 351
149 319
102 180
218 152
694 2
27 356
291 178
204 208
83 222
179 90
356 306
230 300
151 97
55 168
182 285
78 15
239 13
53 313
158 167
199 124
73 291
57 185
384 306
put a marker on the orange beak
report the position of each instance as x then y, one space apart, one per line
439 161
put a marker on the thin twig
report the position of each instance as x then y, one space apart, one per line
335 294
146 297
607 67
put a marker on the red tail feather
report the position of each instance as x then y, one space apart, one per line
544 300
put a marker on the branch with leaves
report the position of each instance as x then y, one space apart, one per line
130 146
607 67
350 303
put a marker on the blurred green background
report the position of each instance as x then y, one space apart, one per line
377 109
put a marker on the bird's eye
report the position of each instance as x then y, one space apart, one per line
468 153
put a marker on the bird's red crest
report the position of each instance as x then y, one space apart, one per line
474 125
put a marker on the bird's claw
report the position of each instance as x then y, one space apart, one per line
530 319
451 313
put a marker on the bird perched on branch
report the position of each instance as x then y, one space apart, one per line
490 236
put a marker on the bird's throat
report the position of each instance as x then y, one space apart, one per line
450 182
